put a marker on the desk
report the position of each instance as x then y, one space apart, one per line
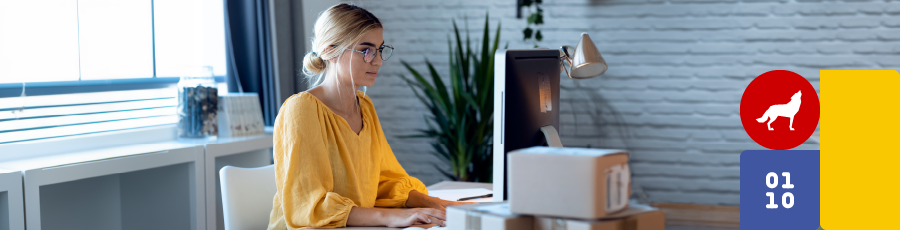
459 185
439 186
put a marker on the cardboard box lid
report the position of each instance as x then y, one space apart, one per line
642 219
486 216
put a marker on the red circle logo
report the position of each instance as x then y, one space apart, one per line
780 109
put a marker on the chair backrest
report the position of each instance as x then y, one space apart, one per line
247 196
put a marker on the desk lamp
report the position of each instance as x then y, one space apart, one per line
584 61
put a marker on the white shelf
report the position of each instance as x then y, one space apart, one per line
167 184
12 212
246 152
79 157
144 186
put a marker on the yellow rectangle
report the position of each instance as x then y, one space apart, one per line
860 161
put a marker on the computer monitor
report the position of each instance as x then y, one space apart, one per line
526 98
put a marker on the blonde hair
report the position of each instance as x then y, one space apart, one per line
340 26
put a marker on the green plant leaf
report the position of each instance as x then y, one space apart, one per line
538 36
448 175
486 92
412 85
428 90
471 100
538 18
528 32
532 18
469 54
462 59
442 152
438 83
485 53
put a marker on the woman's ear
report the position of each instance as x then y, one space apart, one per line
331 60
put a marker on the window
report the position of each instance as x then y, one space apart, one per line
72 67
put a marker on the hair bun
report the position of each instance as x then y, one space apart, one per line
313 64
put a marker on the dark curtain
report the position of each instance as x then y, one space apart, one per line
249 51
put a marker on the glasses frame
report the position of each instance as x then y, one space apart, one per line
379 50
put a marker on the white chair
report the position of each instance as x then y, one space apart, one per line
247 196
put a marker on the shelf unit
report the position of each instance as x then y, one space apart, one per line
12 210
143 186
245 152
167 183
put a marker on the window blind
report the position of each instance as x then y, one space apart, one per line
40 117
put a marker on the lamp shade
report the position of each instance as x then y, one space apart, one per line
585 60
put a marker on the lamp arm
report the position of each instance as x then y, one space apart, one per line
566 58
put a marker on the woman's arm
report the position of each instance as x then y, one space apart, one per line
420 200
394 218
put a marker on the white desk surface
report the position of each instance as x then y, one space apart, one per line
439 186
47 161
89 156
223 140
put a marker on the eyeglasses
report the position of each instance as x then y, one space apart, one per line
369 53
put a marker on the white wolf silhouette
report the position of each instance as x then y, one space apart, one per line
783 110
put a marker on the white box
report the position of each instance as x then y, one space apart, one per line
486 216
568 182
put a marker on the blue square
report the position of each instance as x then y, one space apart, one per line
780 207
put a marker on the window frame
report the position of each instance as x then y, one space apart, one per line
88 86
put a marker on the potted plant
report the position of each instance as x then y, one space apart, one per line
460 118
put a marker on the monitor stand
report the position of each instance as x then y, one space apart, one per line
551 136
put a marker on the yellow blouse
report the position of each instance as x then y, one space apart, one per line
323 168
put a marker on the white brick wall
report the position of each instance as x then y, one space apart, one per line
677 72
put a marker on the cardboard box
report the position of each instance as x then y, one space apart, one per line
636 217
568 182
486 216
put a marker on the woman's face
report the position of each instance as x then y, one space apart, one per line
352 65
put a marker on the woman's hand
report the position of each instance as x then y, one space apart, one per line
396 218
420 200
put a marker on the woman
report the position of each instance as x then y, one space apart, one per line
334 167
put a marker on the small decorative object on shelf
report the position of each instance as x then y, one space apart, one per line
240 115
198 104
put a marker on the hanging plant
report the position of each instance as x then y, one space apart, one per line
535 18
